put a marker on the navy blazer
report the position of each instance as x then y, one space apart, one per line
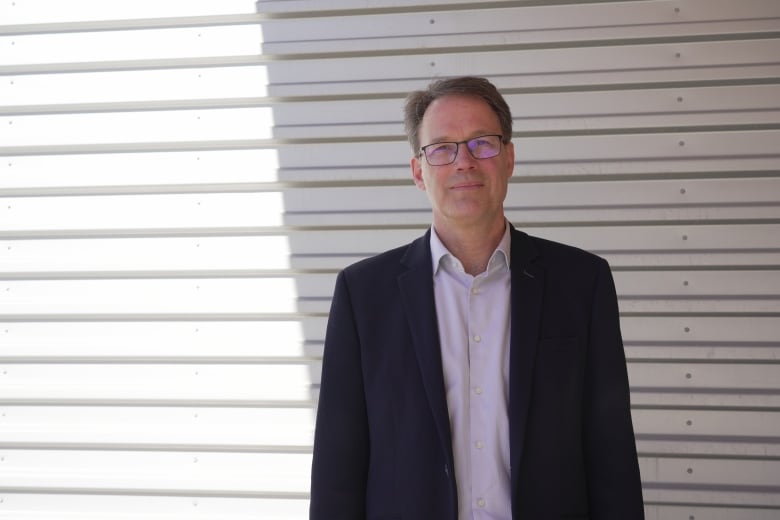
382 446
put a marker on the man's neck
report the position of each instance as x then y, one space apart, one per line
473 246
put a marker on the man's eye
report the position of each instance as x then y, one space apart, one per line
440 148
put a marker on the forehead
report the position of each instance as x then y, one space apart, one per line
458 117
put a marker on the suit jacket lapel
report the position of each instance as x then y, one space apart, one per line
526 312
416 286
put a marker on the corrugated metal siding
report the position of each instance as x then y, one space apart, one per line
182 181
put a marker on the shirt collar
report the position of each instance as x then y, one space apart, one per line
439 251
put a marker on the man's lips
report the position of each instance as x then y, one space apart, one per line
467 185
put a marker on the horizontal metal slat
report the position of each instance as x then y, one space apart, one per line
63 503
175 429
187 473
272 295
698 432
700 330
59 504
677 507
751 475
164 383
79 11
174 85
687 378
141 44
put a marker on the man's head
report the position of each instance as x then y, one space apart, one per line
418 102
463 157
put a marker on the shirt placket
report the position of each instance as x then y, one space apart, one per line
477 415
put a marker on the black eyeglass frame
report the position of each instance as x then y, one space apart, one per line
457 148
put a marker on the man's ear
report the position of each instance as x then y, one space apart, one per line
417 175
510 152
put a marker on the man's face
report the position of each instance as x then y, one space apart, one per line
469 192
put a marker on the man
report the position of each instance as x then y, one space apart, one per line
478 372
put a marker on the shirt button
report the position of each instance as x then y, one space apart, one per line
477 338
478 390
479 445
474 290
481 502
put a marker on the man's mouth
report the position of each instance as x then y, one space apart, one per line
467 185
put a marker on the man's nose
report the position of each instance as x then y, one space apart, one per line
464 158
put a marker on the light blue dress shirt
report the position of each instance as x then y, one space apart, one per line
474 322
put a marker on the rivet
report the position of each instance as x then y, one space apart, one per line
690 471
688 375
679 99
685 283
680 143
687 329
682 191
689 423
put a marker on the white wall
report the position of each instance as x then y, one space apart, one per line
181 181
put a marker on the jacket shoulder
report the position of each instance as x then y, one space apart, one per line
392 261
565 259
554 249
377 263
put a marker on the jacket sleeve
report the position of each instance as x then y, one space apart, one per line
341 447
614 485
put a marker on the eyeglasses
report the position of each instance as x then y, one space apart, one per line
482 147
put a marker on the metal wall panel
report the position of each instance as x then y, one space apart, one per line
182 180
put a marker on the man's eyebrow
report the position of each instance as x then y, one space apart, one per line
447 139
